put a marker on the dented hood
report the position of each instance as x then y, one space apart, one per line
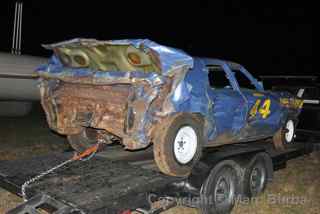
112 59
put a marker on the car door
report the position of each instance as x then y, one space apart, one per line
228 109
263 116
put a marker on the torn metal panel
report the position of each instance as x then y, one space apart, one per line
117 55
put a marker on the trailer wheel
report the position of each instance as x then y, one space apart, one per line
84 140
256 177
284 137
178 144
219 191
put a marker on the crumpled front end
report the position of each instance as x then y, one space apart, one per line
120 88
291 105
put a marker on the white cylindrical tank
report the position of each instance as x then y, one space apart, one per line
17 78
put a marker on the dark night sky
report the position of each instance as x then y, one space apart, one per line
268 38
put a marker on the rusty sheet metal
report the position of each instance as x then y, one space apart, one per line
121 109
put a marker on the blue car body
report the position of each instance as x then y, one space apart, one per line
231 114
228 109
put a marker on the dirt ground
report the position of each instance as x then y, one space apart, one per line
295 189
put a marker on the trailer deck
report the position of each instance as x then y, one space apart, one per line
115 180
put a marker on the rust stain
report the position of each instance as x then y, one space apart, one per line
72 107
115 110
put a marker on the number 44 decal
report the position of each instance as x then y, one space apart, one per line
264 109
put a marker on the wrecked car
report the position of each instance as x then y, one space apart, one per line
138 93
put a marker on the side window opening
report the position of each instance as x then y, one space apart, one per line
217 77
243 80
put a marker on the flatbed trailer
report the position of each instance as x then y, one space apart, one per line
117 181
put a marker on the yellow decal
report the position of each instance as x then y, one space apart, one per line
298 103
264 110
254 109
284 101
258 94
291 102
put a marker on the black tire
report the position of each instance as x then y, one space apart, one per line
280 141
256 177
219 191
163 147
84 140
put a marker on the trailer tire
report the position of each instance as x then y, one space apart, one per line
83 140
178 144
256 176
284 137
219 191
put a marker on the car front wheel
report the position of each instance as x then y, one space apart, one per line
284 137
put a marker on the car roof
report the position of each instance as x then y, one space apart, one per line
218 62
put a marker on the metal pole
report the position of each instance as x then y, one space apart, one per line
14 29
20 28
17 33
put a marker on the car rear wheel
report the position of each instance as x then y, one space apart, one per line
284 137
84 140
178 144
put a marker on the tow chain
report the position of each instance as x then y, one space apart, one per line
84 156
